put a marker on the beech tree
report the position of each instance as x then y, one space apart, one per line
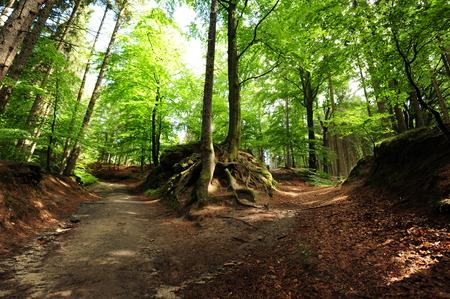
207 148
283 69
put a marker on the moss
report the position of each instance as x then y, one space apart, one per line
153 192
266 173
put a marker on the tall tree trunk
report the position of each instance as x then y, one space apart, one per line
155 129
400 117
420 121
446 55
366 96
70 167
233 139
380 100
441 99
207 147
6 11
51 140
27 49
39 112
309 96
288 158
67 144
14 31
340 160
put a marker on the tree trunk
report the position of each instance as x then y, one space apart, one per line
441 99
420 122
25 52
51 140
6 11
288 158
366 96
233 139
14 31
70 167
66 149
446 55
309 95
340 160
207 148
38 113
155 130
399 116
379 100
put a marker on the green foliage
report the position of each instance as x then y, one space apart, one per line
83 173
147 82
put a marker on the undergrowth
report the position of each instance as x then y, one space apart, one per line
318 178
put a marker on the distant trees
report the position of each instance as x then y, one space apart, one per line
286 79
74 154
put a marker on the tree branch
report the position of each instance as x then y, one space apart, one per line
263 74
256 29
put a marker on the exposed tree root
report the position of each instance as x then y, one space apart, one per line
175 181
236 191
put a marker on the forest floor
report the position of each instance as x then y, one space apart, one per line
310 242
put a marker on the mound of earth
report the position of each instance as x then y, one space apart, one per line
117 173
31 201
414 167
241 182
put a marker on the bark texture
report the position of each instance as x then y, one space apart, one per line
207 148
14 31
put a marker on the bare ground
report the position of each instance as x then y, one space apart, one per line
309 242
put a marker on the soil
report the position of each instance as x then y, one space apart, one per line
308 242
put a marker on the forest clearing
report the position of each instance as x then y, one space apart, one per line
224 149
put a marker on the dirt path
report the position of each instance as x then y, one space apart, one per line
309 242
127 247
106 255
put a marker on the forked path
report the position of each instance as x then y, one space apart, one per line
125 246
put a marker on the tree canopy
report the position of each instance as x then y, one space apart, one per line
311 84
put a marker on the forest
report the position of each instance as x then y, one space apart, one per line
224 149
298 84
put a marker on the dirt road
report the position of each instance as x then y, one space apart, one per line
124 246
308 242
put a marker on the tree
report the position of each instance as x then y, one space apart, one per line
207 148
40 109
66 150
21 59
14 31
70 167
233 139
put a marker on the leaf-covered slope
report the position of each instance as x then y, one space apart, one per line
415 166
31 200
